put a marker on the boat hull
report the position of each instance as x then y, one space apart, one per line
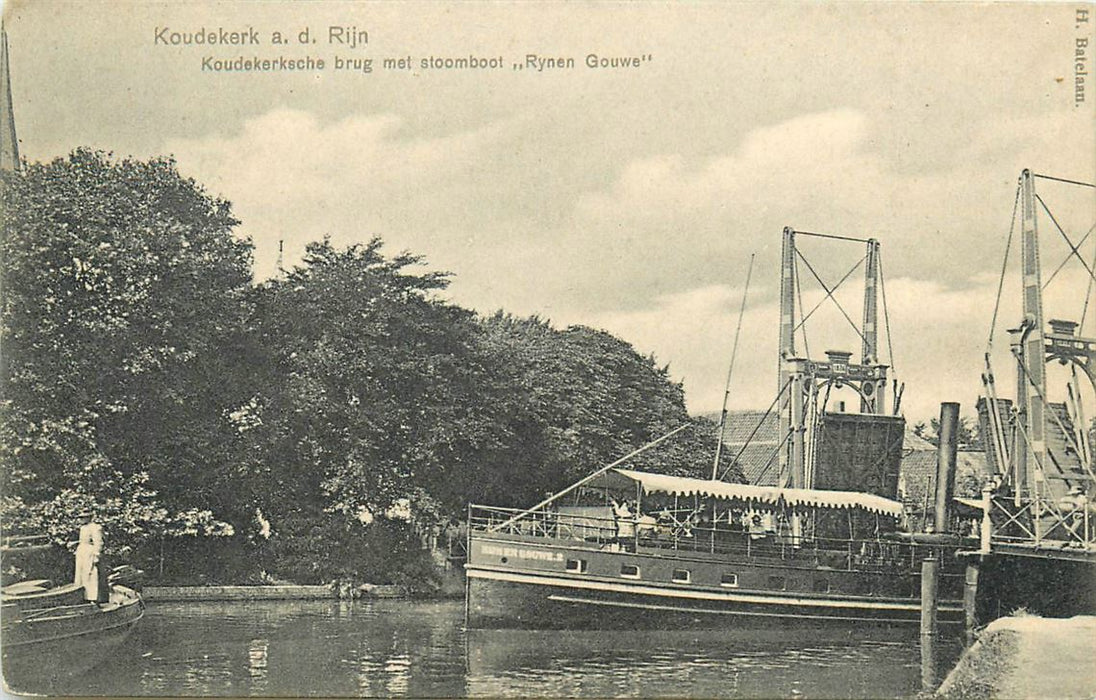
505 600
529 584
39 649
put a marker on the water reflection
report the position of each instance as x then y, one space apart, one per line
420 649
930 663
256 663
676 663
398 670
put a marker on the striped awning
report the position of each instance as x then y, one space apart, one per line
624 479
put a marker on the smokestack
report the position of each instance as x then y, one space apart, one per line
945 463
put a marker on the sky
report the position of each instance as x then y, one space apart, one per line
623 198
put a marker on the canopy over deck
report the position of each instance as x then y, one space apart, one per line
624 479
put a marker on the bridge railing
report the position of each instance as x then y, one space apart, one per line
1064 522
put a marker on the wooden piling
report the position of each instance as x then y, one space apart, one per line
929 568
929 666
970 600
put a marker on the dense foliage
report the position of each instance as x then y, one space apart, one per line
122 296
323 424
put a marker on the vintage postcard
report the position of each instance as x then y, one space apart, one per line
579 349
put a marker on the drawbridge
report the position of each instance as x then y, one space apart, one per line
1039 444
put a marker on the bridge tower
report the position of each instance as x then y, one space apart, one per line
1042 452
805 383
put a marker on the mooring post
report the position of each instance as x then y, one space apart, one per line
970 600
928 597
929 666
985 530
928 625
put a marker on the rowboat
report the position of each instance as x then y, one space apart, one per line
50 631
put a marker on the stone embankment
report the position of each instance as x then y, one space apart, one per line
1028 657
278 592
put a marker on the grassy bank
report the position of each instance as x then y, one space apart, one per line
982 666
1028 657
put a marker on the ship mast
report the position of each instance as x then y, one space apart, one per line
9 143
730 371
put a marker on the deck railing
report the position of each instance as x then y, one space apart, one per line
583 530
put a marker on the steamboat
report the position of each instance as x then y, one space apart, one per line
827 544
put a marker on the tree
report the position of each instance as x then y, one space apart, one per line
122 289
377 387
968 434
144 376
692 452
586 398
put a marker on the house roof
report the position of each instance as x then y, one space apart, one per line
916 443
917 475
757 455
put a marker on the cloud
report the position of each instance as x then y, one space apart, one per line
693 331
813 149
292 177
667 221
940 337
369 149
655 251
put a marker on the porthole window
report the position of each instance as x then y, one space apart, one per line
576 566
729 580
629 571
681 576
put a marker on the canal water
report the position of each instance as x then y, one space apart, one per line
395 648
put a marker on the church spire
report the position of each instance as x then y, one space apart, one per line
9 144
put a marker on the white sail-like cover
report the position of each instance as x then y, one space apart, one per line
771 495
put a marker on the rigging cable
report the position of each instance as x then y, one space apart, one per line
1062 179
886 314
757 427
833 236
1072 248
1088 296
769 459
1004 268
1066 261
1067 435
730 371
829 292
